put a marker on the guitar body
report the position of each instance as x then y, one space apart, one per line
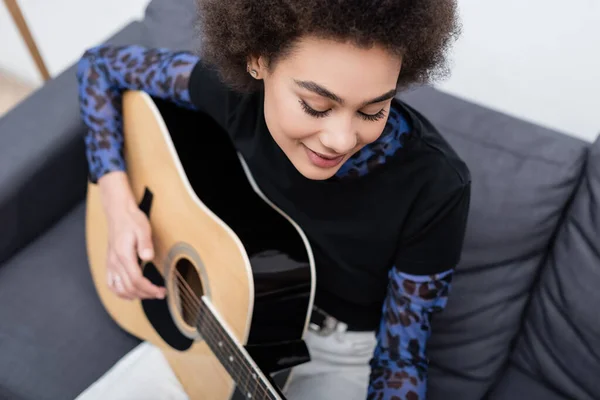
215 235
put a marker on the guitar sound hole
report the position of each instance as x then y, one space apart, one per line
189 291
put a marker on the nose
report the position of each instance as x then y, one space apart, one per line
339 138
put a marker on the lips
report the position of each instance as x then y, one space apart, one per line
323 160
326 156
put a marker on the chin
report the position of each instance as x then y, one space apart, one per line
316 174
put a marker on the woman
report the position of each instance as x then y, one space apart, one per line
306 90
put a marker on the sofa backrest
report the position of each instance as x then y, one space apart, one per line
172 24
523 177
560 341
43 168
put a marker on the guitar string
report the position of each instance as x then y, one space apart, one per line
260 391
215 331
263 388
211 331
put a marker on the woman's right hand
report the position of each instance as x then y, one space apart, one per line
129 236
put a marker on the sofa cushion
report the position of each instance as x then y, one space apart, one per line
560 342
523 176
516 385
55 336
43 170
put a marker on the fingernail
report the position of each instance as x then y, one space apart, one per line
146 254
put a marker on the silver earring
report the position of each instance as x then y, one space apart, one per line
252 72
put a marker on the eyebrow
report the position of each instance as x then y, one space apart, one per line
321 91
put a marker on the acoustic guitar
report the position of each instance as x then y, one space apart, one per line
239 272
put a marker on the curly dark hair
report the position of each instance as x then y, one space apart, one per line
421 31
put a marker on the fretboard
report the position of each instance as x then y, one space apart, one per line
250 380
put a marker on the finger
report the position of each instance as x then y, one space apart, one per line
124 285
142 287
128 266
132 276
111 265
146 252
115 284
144 244
126 289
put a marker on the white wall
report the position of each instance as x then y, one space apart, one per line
536 59
63 29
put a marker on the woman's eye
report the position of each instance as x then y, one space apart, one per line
312 112
373 117
320 114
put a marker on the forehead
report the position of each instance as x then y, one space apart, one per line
351 72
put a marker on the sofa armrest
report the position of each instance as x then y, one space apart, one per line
43 169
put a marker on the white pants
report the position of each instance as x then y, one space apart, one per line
339 369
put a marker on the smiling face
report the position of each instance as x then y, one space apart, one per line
326 100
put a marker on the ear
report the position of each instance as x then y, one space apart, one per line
256 67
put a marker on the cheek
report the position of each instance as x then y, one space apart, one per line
285 117
371 131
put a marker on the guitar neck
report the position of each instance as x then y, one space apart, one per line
249 378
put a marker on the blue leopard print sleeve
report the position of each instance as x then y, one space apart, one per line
375 154
399 364
103 73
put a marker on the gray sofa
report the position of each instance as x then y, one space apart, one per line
522 321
